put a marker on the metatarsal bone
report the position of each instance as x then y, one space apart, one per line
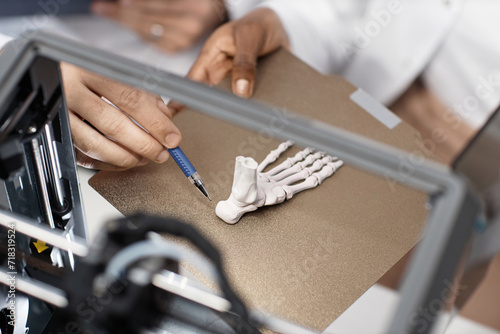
297 167
314 180
274 155
289 162
306 172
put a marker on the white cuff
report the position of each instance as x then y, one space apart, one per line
4 40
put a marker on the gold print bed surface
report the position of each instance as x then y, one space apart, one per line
309 258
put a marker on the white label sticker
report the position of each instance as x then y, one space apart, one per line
375 108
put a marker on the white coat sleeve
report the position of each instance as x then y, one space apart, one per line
316 29
236 9
4 40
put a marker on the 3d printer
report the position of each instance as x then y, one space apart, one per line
126 281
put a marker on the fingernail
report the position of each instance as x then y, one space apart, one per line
243 87
172 140
143 162
163 157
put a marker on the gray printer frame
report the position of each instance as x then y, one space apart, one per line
454 209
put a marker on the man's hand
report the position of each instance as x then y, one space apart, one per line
105 137
236 46
173 25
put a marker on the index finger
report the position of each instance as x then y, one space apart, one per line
214 58
146 109
220 45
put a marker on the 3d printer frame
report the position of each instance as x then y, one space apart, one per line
454 204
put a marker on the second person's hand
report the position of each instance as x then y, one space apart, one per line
236 46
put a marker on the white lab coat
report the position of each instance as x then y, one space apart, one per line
382 46
4 40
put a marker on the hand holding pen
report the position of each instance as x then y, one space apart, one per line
105 137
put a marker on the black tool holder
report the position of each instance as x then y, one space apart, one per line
38 176
129 302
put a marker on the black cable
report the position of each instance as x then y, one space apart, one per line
147 223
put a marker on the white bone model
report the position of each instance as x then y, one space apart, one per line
253 189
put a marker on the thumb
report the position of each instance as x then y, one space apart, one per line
248 43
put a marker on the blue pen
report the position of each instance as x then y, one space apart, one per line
180 158
188 169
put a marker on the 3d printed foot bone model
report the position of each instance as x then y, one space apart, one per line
253 189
